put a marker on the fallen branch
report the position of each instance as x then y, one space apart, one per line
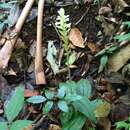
39 73
6 51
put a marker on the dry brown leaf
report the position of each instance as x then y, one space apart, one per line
76 38
92 46
2 41
105 123
104 10
103 110
119 59
119 5
29 93
54 127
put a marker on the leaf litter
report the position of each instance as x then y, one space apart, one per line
85 55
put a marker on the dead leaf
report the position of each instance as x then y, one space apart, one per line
108 28
92 46
103 110
30 93
119 59
54 127
32 110
120 112
1 111
104 10
2 41
32 50
5 89
76 38
105 123
119 5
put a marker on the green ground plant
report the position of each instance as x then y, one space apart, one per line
123 125
73 100
11 109
63 25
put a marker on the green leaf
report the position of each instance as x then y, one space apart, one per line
51 57
47 107
121 124
87 107
71 59
61 92
72 98
20 124
36 99
13 107
70 87
3 126
63 106
66 116
84 88
2 25
49 94
13 16
103 62
126 23
124 37
76 123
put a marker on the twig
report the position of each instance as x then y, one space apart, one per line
82 17
39 73
6 51
38 123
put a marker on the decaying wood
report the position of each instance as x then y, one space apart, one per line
39 73
6 51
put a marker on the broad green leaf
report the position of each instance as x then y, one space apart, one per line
103 62
61 92
76 123
36 99
14 106
84 88
63 106
49 94
3 126
51 57
66 116
125 37
47 107
70 87
72 97
87 107
20 124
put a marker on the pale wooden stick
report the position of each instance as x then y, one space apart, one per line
6 51
39 72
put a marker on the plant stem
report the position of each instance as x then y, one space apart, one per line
39 73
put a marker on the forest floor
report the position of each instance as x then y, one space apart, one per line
84 81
